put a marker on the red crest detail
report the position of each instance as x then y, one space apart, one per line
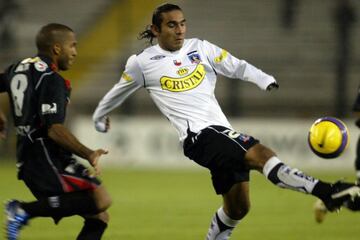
67 84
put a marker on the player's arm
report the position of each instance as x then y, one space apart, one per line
127 85
51 108
63 137
3 120
232 67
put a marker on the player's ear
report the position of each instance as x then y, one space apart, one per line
56 49
155 30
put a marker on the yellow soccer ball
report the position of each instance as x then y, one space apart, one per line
328 137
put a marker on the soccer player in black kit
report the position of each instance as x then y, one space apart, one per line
38 97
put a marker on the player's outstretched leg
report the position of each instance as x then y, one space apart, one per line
16 218
334 195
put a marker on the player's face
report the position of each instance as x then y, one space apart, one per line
68 51
172 33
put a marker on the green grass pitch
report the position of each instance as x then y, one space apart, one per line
178 205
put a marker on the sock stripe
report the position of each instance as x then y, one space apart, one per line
270 164
225 219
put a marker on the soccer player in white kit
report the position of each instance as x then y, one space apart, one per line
180 76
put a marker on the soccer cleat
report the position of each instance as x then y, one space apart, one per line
320 211
341 192
354 204
16 217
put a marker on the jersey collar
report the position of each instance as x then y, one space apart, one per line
163 51
49 62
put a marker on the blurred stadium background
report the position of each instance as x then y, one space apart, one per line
311 49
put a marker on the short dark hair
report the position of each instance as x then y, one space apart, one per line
49 35
157 20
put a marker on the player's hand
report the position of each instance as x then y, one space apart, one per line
103 124
94 159
272 86
2 126
357 123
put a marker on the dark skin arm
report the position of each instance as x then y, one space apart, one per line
62 136
3 120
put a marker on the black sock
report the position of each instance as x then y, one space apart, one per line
93 229
68 204
322 190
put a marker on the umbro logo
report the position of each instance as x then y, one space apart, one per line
157 57
48 108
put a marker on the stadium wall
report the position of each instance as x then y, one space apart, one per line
153 142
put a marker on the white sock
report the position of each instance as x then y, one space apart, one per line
221 226
284 176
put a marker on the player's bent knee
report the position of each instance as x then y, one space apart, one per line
104 203
239 212
102 199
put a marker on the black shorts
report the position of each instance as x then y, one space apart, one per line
222 151
47 170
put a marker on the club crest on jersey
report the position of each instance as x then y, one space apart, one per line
221 57
126 77
185 83
157 57
194 57
177 62
40 66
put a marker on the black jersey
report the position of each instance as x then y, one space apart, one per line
38 97
356 107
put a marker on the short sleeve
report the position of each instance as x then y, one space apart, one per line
52 100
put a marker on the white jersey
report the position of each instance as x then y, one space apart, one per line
182 83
